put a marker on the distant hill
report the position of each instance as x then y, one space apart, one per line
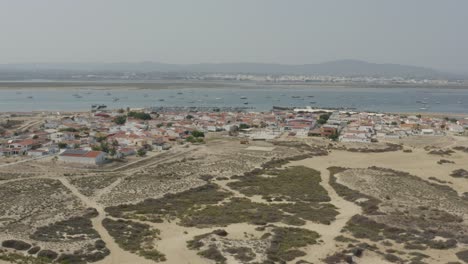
334 68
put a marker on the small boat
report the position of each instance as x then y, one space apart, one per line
246 103
180 93
191 102
115 99
423 108
161 100
145 95
295 96
217 98
310 96
243 97
108 94
30 97
312 102
18 93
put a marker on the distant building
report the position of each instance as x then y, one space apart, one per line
83 156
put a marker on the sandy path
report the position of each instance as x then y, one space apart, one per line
327 232
117 255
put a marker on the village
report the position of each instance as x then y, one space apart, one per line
100 136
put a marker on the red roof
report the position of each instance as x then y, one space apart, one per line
92 154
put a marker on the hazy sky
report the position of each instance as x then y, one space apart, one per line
430 33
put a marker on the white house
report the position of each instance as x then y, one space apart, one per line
83 156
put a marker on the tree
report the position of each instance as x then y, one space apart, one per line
35 137
115 143
323 119
141 152
76 145
198 134
120 120
243 126
121 111
335 136
139 115
104 146
189 117
62 145
112 151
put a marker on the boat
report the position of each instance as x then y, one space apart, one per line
243 97
246 103
115 99
423 108
161 100
217 98
30 97
310 96
295 96
108 94
180 93
312 102
145 95
191 102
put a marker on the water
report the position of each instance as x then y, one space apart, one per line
261 98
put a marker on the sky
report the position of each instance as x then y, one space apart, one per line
431 33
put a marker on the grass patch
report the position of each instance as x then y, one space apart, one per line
286 242
171 206
73 229
21 259
320 213
238 210
297 183
134 237
463 255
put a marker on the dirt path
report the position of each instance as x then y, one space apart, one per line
117 255
328 233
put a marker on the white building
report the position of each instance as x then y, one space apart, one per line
83 156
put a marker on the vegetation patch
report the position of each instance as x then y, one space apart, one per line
171 206
463 255
369 204
388 148
21 259
321 213
16 244
286 242
441 152
73 229
297 183
460 173
213 253
238 210
134 237
363 227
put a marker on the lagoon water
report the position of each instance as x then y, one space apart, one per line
259 98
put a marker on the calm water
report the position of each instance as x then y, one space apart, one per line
261 98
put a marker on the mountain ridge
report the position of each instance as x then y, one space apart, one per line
333 68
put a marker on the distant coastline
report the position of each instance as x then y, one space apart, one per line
168 84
